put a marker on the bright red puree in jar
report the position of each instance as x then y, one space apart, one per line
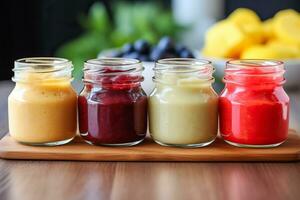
253 107
113 109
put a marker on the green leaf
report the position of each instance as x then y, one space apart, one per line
98 20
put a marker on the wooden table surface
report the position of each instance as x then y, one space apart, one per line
58 180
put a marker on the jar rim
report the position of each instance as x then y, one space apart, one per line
259 71
254 63
184 60
112 61
183 68
254 67
102 71
183 65
112 66
42 64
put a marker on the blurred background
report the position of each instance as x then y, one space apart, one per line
81 29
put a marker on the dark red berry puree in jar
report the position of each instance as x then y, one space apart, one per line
253 107
112 105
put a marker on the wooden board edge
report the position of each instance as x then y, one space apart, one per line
11 155
148 158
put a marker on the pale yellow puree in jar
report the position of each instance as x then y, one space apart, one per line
183 110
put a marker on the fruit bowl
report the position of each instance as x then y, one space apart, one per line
243 34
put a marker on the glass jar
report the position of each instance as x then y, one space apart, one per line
183 107
42 108
254 108
112 105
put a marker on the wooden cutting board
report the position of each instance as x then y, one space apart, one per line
150 151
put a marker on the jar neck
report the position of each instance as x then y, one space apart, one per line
42 70
113 73
254 73
230 86
184 72
111 86
174 81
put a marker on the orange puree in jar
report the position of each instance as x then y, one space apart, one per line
43 105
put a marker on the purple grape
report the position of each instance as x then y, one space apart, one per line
142 46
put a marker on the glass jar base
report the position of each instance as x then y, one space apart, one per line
127 144
49 144
196 145
254 145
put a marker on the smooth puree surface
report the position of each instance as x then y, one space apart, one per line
42 110
183 112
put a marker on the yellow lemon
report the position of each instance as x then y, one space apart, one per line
287 26
224 39
249 22
260 52
270 51
244 16
286 50
268 29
